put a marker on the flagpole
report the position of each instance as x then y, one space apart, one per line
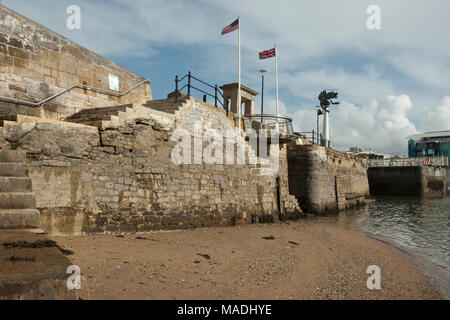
276 83
239 73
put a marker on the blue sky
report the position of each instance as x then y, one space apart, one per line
393 82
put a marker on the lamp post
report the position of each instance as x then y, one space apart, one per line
319 113
262 94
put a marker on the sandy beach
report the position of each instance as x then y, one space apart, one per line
301 260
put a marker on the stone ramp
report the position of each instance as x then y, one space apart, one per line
17 203
32 268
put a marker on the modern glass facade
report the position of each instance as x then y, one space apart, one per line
432 144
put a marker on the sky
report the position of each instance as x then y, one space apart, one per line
393 82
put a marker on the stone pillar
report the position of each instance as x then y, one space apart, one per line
249 107
230 91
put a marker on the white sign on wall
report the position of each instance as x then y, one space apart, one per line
113 82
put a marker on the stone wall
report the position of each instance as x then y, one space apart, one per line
434 182
448 181
324 180
36 63
2 139
123 179
407 181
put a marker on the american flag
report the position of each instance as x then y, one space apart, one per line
232 27
267 54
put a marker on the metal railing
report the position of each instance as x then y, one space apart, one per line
410 162
313 136
190 79
270 121
80 86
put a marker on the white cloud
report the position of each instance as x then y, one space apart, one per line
377 126
437 119
270 107
428 69
353 86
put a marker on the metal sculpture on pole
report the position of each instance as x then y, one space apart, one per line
326 99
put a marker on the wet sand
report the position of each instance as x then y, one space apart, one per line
302 260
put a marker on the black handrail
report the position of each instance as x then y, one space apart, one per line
189 86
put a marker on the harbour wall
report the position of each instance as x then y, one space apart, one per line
408 181
448 182
324 180
123 179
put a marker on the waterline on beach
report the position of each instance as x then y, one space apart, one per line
417 226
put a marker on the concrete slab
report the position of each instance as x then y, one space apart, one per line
28 273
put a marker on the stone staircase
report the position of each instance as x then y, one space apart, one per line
17 203
4 118
98 117
161 111
167 105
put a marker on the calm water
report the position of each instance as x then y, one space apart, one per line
419 226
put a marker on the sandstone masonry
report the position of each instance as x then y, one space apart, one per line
100 163
122 179
36 63
324 180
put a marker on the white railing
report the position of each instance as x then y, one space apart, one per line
410 162
283 123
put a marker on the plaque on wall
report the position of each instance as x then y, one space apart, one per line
113 82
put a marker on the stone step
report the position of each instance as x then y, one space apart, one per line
13 170
91 118
163 108
15 184
17 200
160 104
19 218
170 110
4 118
15 156
163 103
166 104
105 110
98 124
99 112
169 102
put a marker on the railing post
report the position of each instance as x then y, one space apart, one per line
215 95
314 137
189 84
176 88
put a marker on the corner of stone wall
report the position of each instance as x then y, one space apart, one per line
325 180
292 209
433 182
2 139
